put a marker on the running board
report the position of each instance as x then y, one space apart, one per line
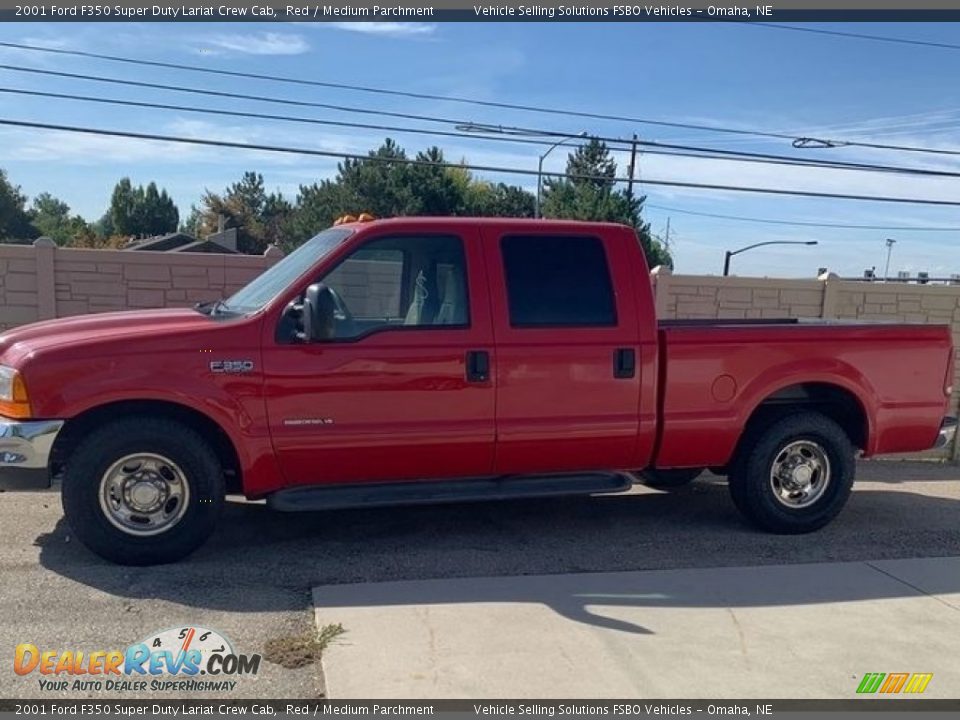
424 492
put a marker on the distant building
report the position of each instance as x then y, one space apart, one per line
221 242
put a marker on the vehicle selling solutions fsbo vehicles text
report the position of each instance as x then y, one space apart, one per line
622 11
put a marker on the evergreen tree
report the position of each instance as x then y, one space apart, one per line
588 192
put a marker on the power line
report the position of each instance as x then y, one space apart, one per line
268 116
801 223
385 91
564 112
651 148
479 168
860 36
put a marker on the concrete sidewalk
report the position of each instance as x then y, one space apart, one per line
777 631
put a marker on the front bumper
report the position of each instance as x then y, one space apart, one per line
25 453
948 429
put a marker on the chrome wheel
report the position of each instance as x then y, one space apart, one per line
144 494
800 474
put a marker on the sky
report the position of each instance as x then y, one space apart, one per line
727 74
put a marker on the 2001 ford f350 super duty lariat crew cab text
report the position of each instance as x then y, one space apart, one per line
428 359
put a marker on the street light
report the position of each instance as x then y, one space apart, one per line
536 207
500 130
729 254
886 270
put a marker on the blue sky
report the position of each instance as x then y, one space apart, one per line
723 74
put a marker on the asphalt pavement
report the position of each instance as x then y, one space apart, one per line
253 580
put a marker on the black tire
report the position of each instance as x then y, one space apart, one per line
98 452
758 496
670 478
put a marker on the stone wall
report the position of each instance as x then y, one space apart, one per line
43 281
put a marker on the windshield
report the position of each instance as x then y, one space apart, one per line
278 278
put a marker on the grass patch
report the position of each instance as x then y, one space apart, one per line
297 651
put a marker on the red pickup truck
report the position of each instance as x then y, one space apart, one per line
450 359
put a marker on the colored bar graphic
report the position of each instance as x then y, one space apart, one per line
893 683
918 682
870 683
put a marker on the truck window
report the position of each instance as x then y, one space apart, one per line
558 281
401 282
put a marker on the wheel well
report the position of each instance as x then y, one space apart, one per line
837 403
76 428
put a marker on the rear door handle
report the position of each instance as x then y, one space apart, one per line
478 366
624 363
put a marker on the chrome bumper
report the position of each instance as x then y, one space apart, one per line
948 428
25 453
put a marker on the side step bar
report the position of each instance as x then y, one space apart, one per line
335 497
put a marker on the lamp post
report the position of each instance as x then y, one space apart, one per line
886 270
500 130
730 253
536 207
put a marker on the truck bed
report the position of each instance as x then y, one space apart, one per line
714 374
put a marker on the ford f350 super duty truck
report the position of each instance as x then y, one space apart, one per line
450 359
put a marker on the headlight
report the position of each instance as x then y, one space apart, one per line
13 394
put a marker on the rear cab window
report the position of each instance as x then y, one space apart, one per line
557 281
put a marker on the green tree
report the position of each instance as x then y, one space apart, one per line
141 211
380 185
14 219
259 216
588 192
316 208
51 217
191 224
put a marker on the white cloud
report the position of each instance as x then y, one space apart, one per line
387 29
268 43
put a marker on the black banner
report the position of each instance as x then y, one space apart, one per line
469 708
503 11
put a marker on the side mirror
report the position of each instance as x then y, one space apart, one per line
317 316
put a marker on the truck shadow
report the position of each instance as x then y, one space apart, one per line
262 561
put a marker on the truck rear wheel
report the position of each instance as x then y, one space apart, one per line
795 475
670 478
143 491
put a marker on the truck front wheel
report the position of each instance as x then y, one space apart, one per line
795 475
143 491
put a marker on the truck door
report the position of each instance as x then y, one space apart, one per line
402 390
568 362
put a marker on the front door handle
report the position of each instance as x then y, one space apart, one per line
624 363
478 366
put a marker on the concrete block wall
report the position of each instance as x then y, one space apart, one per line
42 281
370 288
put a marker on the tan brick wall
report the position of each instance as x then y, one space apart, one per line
693 296
43 281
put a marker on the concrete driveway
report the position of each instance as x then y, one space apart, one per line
774 631
253 580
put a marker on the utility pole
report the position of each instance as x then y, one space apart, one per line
633 164
886 270
666 237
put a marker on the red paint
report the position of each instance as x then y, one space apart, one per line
401 408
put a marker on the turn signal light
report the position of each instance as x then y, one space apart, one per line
18 404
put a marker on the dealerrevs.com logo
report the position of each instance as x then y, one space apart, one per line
185 659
